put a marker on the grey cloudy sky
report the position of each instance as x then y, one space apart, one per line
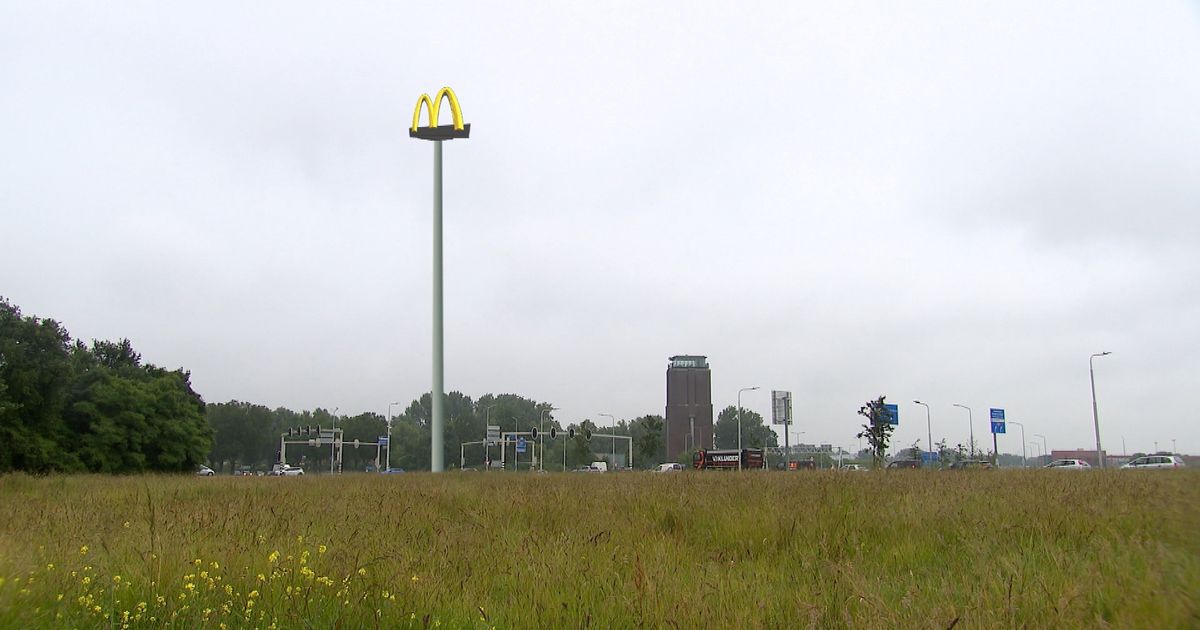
950 201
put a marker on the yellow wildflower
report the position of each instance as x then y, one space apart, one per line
83 550
322 549
273 558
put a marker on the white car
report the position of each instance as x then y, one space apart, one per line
1156 461
853 467
287 471
205 471
1069 464
669 468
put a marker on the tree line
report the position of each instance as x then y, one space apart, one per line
67 406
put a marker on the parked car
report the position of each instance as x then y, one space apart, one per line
205 471
904 463
1156 461
672 467
971 464
1069 464
284 470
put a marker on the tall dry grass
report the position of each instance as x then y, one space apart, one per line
911 549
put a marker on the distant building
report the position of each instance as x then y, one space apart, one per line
1085 455
689 416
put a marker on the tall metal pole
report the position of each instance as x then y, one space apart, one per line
1024 464
1045 448
389 435
739 416
928 428
1095 413
438 421
614 440
971 422
332 446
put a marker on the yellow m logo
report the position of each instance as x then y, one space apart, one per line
434 105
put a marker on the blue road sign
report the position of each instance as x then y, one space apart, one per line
383 441
894 412
520 445
929 457
997 421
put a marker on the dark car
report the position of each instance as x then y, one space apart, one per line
904 463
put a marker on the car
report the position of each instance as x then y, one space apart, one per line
1069 464
205 471
854 467
904 463
391 471
1156 461
244 471
587 469
284 470
672 467
971 464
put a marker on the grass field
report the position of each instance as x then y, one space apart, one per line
911 549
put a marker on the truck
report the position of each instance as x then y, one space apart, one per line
729 459
600 466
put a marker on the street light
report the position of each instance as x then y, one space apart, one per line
437 134
1024 464
971 422
614 440
542 438
928 428
1039 448
1045 449
487 449
389 434
739 399
333 443
1095 414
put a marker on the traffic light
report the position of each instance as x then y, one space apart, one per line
553 433
587 435
571 433
533 433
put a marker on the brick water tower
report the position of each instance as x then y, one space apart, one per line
689 417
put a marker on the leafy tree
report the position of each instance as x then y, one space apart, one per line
647 433
878 428
754 433
35 371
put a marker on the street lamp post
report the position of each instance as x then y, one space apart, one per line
388 457
437 134
739 409
542 438
1024 464
1039 448
333 443
928 428
614 440
1045 449
971 422
1095 413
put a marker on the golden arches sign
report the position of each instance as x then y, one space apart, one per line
458 129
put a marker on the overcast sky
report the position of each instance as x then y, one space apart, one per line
956 202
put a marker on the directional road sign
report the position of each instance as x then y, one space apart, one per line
997 421
893 413
520 444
